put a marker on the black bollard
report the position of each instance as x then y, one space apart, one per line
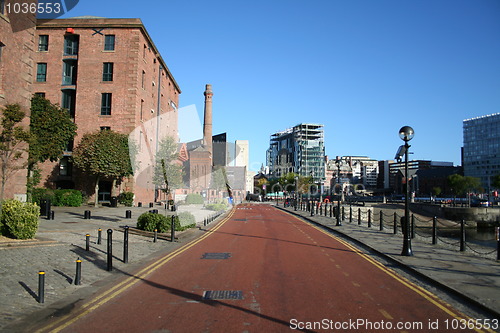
52 214
462 236
172 229
125 245
128 214
110 250
434 230
395 223
412 226
86 215
381 222
87 242
359 216
78 277
155 237
150 205
139 204
498 243
99 235
369 218
350 214
41 287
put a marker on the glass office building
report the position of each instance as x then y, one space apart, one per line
300 150
481 152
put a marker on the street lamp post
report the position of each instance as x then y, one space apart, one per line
338 161
406 133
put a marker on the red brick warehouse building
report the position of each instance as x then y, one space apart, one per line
109 75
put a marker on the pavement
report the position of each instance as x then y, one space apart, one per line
60 242
473 278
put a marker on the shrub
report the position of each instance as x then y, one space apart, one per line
194 198
216 206
150 222
42 193
185 219
126 198
68 198
19 220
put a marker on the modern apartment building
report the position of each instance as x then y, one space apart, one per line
108 74
300 150
17 44
481 151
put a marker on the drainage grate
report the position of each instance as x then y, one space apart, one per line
223 294
216 255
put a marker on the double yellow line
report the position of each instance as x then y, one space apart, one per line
419 290
98 301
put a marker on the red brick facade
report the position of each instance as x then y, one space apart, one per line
78 58
16 76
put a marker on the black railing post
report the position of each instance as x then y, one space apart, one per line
172 229
381 222
110 250
462 236
498 243
434 230
412 226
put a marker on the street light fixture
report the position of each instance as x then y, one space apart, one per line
406 133
338 161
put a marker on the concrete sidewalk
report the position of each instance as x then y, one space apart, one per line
60 242
474 278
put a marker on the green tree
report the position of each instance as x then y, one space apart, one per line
437 191
461 185
167 171
103 154
496 182
13 144
218 181
51 129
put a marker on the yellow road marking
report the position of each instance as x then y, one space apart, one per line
385 314
128 282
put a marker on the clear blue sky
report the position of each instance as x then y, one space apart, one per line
363 68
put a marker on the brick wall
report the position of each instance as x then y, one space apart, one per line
16 76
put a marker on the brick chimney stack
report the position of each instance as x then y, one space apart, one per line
207 123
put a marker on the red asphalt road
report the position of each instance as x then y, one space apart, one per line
290 273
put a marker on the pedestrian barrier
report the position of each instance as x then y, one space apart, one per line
451 234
